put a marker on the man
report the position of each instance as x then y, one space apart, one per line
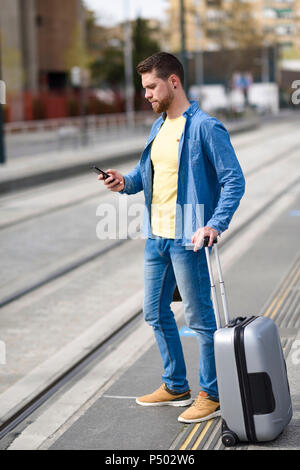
186 163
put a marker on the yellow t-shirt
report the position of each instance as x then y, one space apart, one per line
164 157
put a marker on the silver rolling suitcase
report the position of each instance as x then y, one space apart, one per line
252 379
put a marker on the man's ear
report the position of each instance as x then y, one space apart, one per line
173 80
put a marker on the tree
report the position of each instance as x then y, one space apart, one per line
77 54
108 69
239 27
237 32
106 46
144 45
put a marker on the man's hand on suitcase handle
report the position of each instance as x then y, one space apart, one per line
198 237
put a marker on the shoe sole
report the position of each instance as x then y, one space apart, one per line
164 403
216 414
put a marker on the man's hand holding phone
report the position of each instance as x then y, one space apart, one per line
113 180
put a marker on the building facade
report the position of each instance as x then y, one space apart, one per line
11 54
40 42
211 22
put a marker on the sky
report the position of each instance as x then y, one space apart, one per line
110 12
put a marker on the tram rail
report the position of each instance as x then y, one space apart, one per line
80 262
206 435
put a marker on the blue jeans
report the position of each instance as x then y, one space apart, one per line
166 264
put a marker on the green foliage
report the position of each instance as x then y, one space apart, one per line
107 67
144 45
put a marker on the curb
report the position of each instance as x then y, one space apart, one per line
23 391
72 168
56 174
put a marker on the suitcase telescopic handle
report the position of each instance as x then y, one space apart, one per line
212 283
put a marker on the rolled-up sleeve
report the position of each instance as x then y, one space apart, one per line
221 155
133 181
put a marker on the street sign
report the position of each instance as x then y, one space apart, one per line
2 92
76 76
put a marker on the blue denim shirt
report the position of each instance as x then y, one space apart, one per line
210 180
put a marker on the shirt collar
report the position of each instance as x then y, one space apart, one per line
192 109
189 112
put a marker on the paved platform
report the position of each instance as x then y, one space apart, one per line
116 422
40 169
28 171
272 173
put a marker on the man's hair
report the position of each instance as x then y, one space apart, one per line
164 64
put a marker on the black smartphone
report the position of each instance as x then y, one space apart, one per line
100 172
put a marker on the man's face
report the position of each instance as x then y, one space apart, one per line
157 91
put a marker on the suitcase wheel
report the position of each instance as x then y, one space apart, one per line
229 439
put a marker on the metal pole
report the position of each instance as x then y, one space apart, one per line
222 287
83 110
214 297
265 64
2 143
129 88
183 46
84 80
199 51
199 67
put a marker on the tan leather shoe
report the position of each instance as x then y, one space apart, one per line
164 396
203 409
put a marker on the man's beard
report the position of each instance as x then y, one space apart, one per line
163 105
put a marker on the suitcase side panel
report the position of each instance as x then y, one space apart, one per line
271 401
228 382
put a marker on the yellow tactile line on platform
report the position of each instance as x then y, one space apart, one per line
277 302
202 434
282 288
190 436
